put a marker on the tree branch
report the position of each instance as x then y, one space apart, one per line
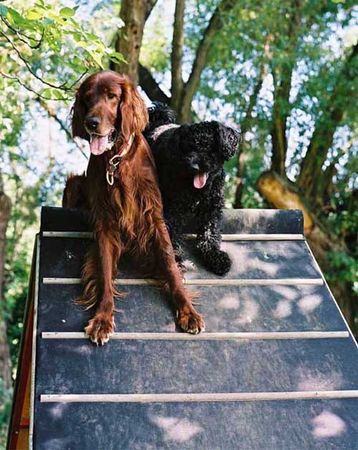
51 113
245 127
150 86
177 54
149 8
215 25
283 79
21 36
28 88
62 86
309 178
134 14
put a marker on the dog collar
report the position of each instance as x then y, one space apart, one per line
113 163
159 130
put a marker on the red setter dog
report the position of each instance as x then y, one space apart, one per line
120 190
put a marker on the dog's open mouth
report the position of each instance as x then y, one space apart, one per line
100 143
200 180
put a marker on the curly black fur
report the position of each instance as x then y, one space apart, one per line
182 153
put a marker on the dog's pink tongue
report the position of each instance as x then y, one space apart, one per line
98 144
200 180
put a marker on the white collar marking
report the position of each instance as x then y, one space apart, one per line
159 130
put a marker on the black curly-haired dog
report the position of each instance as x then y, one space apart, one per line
190 160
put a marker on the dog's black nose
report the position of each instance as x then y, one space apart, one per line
92 123
194 166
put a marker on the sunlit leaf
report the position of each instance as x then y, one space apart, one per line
67 12
34 14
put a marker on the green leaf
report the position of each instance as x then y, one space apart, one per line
116 57
16 19
34 14
67 12
53 93
82 44
77 36
96 58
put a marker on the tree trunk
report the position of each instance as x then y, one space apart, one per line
239 179
310 179
216 23
5 365
182 93
177 54
134 14
244 128
282 194
278 130
282 76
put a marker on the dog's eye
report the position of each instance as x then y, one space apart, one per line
111 96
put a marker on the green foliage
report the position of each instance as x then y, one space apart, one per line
5 409
155 48
43 36
343 268
17 281
345 223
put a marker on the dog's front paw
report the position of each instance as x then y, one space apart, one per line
190 321
218 262
100 328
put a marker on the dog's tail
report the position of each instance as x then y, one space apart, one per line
160 114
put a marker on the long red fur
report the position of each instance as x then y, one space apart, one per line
126 216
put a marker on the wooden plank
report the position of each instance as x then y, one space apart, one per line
68 234
34 346
224 237
199 281
256 237
202 397
205 336
23 435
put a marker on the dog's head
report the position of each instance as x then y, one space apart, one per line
107 105
204 147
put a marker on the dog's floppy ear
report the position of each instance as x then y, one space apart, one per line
228 140
134 114
78 117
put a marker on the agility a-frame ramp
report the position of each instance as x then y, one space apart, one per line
277 367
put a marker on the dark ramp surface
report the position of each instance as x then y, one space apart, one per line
252 259
276 368
228 308
283 425
179 366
